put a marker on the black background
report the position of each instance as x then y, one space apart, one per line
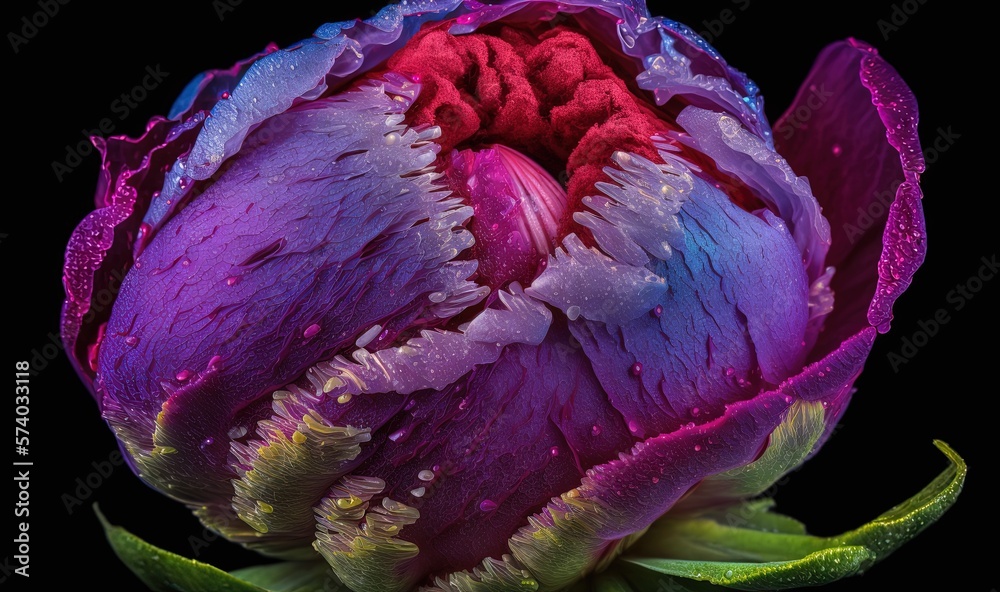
66 77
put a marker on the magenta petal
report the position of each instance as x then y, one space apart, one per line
866 177
99 253
639 487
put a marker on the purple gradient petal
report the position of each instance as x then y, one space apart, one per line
264 275
874 209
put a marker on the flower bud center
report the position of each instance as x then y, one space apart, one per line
518 207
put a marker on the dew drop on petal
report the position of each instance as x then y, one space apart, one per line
183 375
658 310
633 426
425 475
554 451
837 150
311 330
697 447
487 505
596 430
636 369
131 340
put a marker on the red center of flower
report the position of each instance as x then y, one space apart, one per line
546 94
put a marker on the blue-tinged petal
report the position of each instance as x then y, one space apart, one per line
208 88
283 78
738 152
733 316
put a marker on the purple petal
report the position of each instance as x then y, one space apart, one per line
452 455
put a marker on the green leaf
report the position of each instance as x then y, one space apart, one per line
815 569
163 571
748 548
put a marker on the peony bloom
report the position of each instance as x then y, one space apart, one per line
472 296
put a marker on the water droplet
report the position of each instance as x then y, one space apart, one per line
837 150
311 330
425 475
658 310
697 447
131 340
391 138
183 375
695 411
237 432
729 573
633 426
636 369
554 451
232 280
436 297
344 398
730 371
183 182
206 443
487 505
656 480
213 363
225 95
596 430
573 312
397 435
418 492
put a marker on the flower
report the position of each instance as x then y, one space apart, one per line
352 269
